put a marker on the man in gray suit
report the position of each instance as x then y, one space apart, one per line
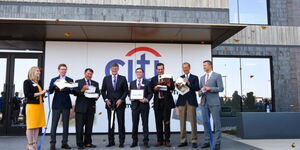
210 85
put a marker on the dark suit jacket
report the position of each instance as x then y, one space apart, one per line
191 95
83 104
29 91
61 99
121 91
169 101
147 94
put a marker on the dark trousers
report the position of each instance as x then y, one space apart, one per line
84 120
162 119
120 116
55 120
135 123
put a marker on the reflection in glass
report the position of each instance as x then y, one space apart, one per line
248 11
3 62
22 65
247 84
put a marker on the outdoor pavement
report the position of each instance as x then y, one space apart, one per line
229 142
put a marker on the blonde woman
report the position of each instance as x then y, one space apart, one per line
35 115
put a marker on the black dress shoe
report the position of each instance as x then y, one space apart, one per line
90 145
194 145
110 144
183 144
121 145
133 145
217 147
52 147
80 147
205 145
65 146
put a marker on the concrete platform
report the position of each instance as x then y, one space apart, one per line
19 142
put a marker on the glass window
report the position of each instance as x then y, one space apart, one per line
247 84
248 11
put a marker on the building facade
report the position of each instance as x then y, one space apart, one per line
254 44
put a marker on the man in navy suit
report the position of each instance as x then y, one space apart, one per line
187 104
114 92
140 107
61 105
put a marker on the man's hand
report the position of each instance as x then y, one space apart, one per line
108 103
119 102
206 88
186 80
84 88
144 100
156 88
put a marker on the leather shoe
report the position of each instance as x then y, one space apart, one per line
121 145
133 145
168 144
194 145
158 144
205 145
110 144
90 145
183 144
65 146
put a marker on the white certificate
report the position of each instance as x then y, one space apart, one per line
91 95
136 94
91 89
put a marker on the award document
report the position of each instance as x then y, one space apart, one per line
136 94
91 92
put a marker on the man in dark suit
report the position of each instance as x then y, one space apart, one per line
114 92
85 109
187 104
140 107
163 104
61 105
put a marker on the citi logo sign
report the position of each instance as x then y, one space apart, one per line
141 61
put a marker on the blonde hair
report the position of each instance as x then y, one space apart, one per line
31 74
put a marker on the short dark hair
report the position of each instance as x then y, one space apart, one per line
88 69
61 65
114 65
186 63
159 64
139 69
208 61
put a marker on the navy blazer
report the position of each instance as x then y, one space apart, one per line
84 104
121 91
190 97
147 94
61 99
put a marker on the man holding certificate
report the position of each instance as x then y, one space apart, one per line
187 104
114 92
163 104
140 94
87 94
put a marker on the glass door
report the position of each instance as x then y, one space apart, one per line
13 107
